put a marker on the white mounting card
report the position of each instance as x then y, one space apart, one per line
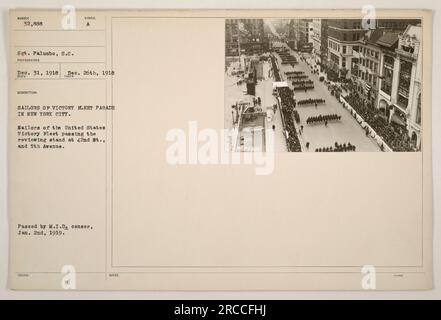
220 150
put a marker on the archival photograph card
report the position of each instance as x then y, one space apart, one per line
220 149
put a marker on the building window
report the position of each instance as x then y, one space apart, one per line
404 82
389 62
386 82
403 101
344 49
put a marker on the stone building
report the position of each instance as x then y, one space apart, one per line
320 39
400 83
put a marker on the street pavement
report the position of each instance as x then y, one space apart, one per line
318 135
264 90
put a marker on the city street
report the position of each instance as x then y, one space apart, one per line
318 135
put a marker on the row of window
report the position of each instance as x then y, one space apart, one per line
333 45
344 49
386 83
369 64
370 52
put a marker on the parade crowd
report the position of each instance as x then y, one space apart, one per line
394 135
309 101
302 82
289 73
304 87
287 58
287 103
323 118
337 148
287 106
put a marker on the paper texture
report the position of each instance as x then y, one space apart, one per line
119 177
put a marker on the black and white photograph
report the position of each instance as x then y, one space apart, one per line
324 85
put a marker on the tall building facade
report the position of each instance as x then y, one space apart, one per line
305 33
294 34
365 68
245 35
320 39
343 36
299 35
232 46
252 36
400 83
